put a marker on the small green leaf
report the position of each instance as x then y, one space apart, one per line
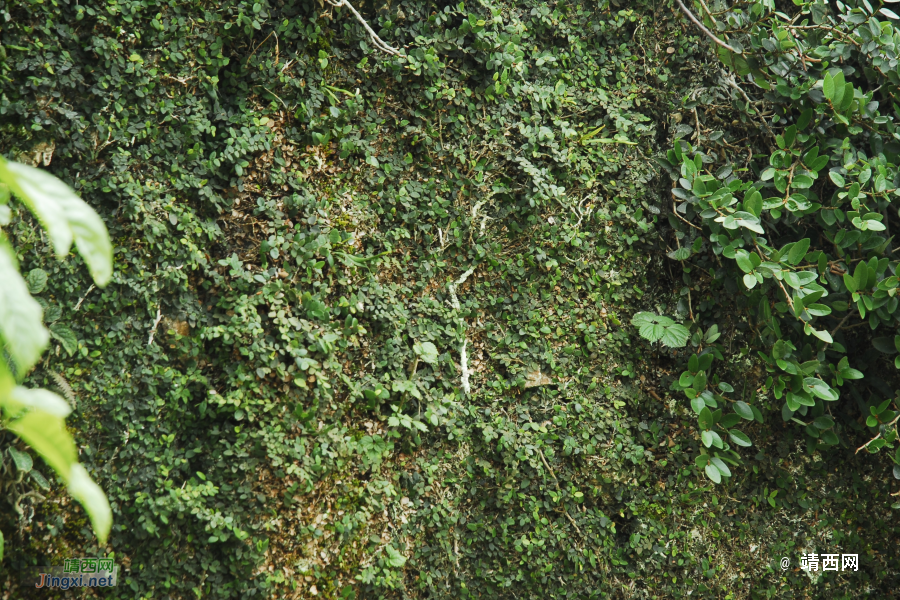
52 312
698 404
65 336
680 254
36 280
875 445
427 352
824 422
713 473
721 466
39 479
395 559
836 178
23 460
820 389
798 251
744 410
729 421
699 381
830 438
861 275
828 87
753 203
740 438
823 335
743 261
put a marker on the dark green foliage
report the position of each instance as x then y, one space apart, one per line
313 232
810 254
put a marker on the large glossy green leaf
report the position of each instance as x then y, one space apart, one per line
20 315
37 399
64 215
676 336
92 498
660 328
47 434
7 383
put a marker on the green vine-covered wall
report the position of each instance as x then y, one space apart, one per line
368 329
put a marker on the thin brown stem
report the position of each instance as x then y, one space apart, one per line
703 28
839 325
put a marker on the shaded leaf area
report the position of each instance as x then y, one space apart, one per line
269 389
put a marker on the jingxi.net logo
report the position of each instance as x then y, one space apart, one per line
77 572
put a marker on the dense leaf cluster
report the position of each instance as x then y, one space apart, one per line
811 254
365 336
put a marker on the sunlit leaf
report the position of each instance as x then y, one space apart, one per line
20 315
47 434
64 215
92 498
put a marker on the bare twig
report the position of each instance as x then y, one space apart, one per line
690 304
697 121
379 43
686 222
555 480
155 325
89 290
464 366
839 325
876 437
732 83
703 28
